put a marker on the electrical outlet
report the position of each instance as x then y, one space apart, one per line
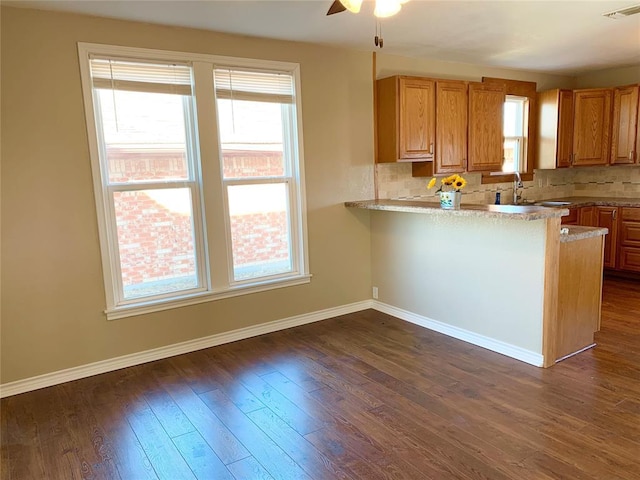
375 293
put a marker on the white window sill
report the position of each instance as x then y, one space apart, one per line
196 298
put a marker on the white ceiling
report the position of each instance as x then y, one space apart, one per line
566 37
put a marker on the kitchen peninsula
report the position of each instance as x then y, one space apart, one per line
486 274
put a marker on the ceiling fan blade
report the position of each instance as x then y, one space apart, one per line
336 7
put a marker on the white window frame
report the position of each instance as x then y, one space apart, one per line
520 162
213 251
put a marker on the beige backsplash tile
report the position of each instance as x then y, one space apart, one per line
395 181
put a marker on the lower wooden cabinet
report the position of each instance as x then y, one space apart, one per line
629 253
579 295
622 243
588 217
607 217
572 218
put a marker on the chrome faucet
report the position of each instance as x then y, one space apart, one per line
517 183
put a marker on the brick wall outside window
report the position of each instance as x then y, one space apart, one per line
155 241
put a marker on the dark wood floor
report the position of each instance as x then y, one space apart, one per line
363 396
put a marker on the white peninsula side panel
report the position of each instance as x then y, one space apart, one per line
479 279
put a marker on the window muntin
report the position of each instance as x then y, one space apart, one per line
120 151
514 131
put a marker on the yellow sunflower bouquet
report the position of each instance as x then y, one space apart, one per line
452 183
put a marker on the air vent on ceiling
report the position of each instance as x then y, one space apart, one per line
623 12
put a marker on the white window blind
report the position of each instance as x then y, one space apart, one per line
253 85
141 76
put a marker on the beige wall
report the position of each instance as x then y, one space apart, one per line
481 275
53 297
610 77
387 65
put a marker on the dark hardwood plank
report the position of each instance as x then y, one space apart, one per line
363 396
221 440
372 437
281 405
62 457
107 396
87 434
249 468
229 385
21 453
164 456
296 446
198 454
192 371
262 448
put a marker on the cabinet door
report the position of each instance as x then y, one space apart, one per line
572 218
630 226
629 259
565 128
624 124
629 253
607 217
587 217
591 126
417 118
486 142
638 131
555 129
630 234
451 127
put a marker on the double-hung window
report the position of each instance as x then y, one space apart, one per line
197 165
255 110
515 128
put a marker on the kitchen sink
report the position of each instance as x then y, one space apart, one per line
553 204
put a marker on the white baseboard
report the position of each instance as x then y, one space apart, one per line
103 366
492 344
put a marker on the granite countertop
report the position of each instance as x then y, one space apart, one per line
598 201
515 212
578 232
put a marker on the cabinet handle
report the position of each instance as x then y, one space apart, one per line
615 214
431 148
631 155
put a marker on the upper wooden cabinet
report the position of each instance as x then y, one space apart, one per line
406 119
624 125
638 132
591 126
451 126
486 141
555 129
